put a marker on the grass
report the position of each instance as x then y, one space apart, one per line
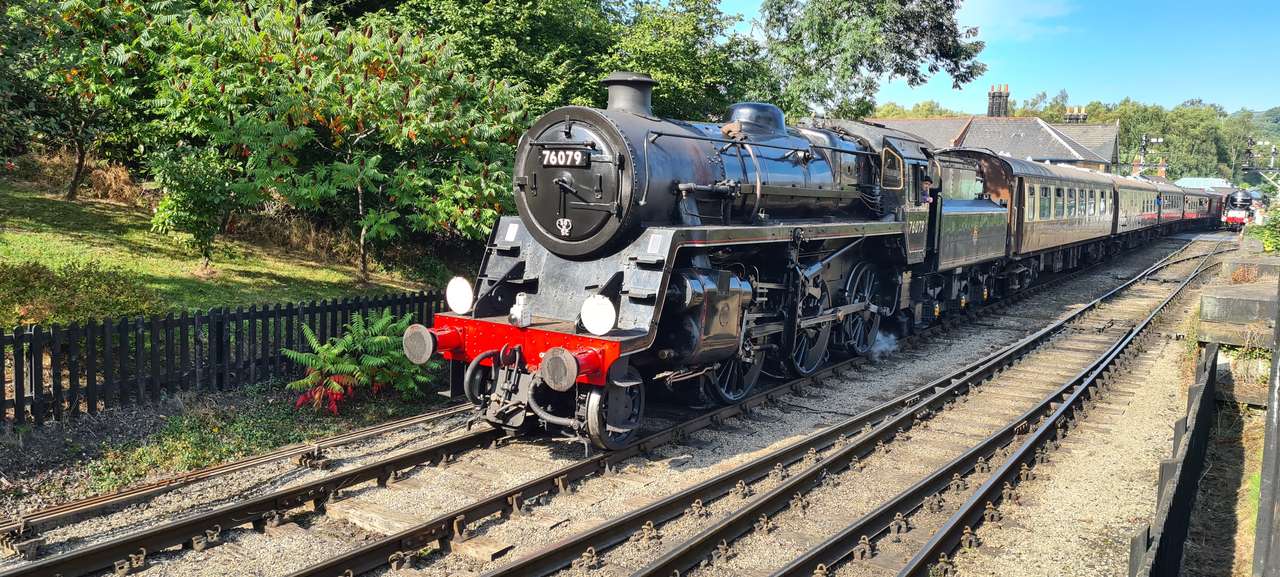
39 226
211 433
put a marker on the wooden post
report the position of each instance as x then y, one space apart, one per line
55 369
171 372
35 374
186 365
74 335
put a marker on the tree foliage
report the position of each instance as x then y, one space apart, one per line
199 195
88 60
832 55
380 127
689 47
554 49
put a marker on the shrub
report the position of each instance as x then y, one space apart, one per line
199 196
33 293
366 359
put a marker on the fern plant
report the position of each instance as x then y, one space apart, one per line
366 359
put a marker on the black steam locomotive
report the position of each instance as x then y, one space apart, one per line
700 257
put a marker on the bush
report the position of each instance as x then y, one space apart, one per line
366 359
199 197
33 293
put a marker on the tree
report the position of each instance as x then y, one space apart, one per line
379 128
554 49
88 62
201 193
833 54
690 48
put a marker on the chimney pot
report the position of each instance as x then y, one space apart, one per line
630 92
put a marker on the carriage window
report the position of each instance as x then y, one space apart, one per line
1046 206
1029 202
1102 202
891 173
1058 203
1071 202
1093 202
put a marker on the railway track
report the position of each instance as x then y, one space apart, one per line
22 532
129 552
874 487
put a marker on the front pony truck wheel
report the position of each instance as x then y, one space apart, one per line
614 412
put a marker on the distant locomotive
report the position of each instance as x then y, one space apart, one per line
702 256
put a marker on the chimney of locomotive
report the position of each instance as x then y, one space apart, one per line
630 92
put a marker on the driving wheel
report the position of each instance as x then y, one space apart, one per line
809 339
735 377
856 334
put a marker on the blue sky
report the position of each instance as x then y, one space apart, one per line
1162 52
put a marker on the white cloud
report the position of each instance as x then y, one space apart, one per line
1015 20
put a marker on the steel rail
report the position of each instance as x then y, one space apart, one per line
1047 415
556 556
970 514
196 530
708 543
401 550
28 524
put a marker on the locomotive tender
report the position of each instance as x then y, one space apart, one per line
701 256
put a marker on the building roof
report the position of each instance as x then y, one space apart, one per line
1010 136
1102 139
1203 182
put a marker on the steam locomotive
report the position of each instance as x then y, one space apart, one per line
703 257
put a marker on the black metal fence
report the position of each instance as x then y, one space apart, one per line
56 372
1156 549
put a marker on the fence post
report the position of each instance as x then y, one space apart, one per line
154 383
74 334
4 391
35 374
139 359
122 344
251 343
20 376
170 371
55 369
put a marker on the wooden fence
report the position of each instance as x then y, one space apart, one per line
57 372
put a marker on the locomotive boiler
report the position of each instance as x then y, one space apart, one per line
679 254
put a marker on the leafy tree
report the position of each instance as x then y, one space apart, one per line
690 48
554 49
831 55
88 62
923 109
382 129
201 192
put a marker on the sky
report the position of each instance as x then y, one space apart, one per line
1162 52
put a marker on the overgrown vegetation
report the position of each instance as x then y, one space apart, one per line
366 361
1268 234
210 433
